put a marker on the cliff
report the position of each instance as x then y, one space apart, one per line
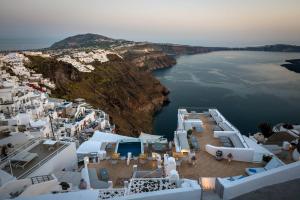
130 96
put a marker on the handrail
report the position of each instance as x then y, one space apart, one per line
20 149
29 171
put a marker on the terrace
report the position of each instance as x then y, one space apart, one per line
35 157
206 164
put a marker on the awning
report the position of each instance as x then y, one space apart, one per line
108 137
148 138
90 147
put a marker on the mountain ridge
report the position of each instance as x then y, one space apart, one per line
90 40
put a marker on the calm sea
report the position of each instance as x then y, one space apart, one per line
28 43
247 87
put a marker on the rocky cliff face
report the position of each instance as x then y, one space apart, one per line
130 96
149 61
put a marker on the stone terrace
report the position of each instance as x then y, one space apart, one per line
206 165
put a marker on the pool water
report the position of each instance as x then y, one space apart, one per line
133 147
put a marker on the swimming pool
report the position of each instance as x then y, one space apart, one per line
134 147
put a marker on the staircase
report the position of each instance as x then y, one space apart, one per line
210 195
208 188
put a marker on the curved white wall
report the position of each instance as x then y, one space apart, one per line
238 154
251 183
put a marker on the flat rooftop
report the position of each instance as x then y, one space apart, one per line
206 164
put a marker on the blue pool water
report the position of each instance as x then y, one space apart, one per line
133 147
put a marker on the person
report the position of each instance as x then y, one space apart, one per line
193 159
229 157
82 184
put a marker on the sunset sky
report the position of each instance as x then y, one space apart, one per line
197 22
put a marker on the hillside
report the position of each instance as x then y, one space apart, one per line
128 95
87 41
98 41
123 87
273 48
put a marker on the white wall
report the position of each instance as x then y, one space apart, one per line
274 176
13 186
238 154
41 188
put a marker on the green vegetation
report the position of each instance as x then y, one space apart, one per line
128 95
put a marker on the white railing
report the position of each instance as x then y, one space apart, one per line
19 149
39 164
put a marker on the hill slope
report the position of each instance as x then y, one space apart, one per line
128 95
86 41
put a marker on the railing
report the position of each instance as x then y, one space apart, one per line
19 149
36 166
199 109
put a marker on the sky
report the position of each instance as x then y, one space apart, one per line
195 22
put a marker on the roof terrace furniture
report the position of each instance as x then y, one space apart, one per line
195 143
49 142
114 162
158 146
123 158
135 158
104 174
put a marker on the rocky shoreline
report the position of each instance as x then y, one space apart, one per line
292 65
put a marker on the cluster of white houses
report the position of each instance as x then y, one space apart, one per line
81 60
57 149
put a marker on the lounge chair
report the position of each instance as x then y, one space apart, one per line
273 163
135 158
123 158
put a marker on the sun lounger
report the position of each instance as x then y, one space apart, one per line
195 143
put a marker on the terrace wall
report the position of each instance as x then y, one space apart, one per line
190 193
251 183
238 154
